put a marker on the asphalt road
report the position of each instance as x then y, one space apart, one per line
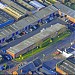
61 44
32 33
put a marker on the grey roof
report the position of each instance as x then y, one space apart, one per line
65 9
15 6
27 21
36 38
25 4
7 31
68 65
4 17
45 12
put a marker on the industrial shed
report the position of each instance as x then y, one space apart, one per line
36 4
65 11
67 66
35 40
25 5
10 11
5 19
15 7
25 23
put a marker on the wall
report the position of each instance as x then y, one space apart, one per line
60 71
12 54
14 73
68 17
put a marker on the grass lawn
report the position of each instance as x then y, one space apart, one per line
35 51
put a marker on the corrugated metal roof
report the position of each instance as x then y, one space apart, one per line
15 6
36 38
29 20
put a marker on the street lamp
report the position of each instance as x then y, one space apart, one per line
43 56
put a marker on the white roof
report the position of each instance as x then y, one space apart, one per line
2 6
36 4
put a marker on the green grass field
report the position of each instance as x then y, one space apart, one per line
44 45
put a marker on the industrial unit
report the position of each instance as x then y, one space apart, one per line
65 11
25 5
67 66
15 7
10 11
24 24
36 40
5 19
36 4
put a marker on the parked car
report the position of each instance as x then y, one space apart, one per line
57 52
9 40
8 57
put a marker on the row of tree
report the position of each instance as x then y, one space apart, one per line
72 1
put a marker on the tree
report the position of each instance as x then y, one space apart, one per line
72 1
5 66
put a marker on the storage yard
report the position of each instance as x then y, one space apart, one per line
35 40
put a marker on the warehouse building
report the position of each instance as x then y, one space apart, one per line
35 40
25 23
15 7
5 19
25 5
66 67
65 11
36 4
10 11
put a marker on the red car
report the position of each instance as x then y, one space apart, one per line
57 53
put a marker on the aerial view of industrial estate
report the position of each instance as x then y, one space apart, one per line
37 37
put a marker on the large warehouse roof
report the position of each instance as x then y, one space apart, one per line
45 12
36 38
65 9
15 6
26 5
27 21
